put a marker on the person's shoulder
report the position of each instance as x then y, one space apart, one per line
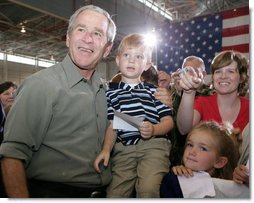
244 100
41 79
149 85
113 85
112 89
170 178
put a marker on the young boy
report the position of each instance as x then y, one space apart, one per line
140 158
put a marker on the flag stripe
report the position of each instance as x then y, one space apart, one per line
235 34
233 31
236 12
236 21
235 40
244 48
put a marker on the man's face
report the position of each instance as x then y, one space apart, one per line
88 41
196 65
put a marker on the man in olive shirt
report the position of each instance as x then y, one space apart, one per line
57 123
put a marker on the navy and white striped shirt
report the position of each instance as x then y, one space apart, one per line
138 101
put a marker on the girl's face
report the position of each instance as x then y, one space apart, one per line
200 153
132 62
226 80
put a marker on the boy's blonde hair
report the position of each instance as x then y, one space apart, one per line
135 41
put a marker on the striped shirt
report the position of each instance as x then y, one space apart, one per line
138 101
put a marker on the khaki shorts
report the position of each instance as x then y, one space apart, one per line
139 168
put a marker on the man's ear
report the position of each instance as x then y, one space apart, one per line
221 162
109 46
67 40
204 73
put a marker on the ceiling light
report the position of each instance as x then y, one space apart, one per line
23 30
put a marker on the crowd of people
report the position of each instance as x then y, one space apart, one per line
63 137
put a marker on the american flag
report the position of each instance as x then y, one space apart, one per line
203 36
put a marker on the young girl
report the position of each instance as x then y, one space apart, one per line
209 148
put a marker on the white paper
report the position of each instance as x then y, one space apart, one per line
200 185
126 122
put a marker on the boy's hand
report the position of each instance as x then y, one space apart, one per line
101 161
146 129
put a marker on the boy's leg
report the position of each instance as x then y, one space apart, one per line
124 171
152 166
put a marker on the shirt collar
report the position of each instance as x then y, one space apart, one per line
73 75
128 87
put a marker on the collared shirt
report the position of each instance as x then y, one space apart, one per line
57 125
138 101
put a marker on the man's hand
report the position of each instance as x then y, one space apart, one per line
164 96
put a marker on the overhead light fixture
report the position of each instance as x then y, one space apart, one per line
23 30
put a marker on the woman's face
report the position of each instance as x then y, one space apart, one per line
227 79
7 96
200 153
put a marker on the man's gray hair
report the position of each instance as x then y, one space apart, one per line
111 32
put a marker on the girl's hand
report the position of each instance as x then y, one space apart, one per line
182 170
241 175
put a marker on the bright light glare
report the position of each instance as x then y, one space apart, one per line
20 59
150 39
27 60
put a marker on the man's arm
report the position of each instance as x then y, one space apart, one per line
14 178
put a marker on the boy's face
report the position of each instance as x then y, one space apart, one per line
132 62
